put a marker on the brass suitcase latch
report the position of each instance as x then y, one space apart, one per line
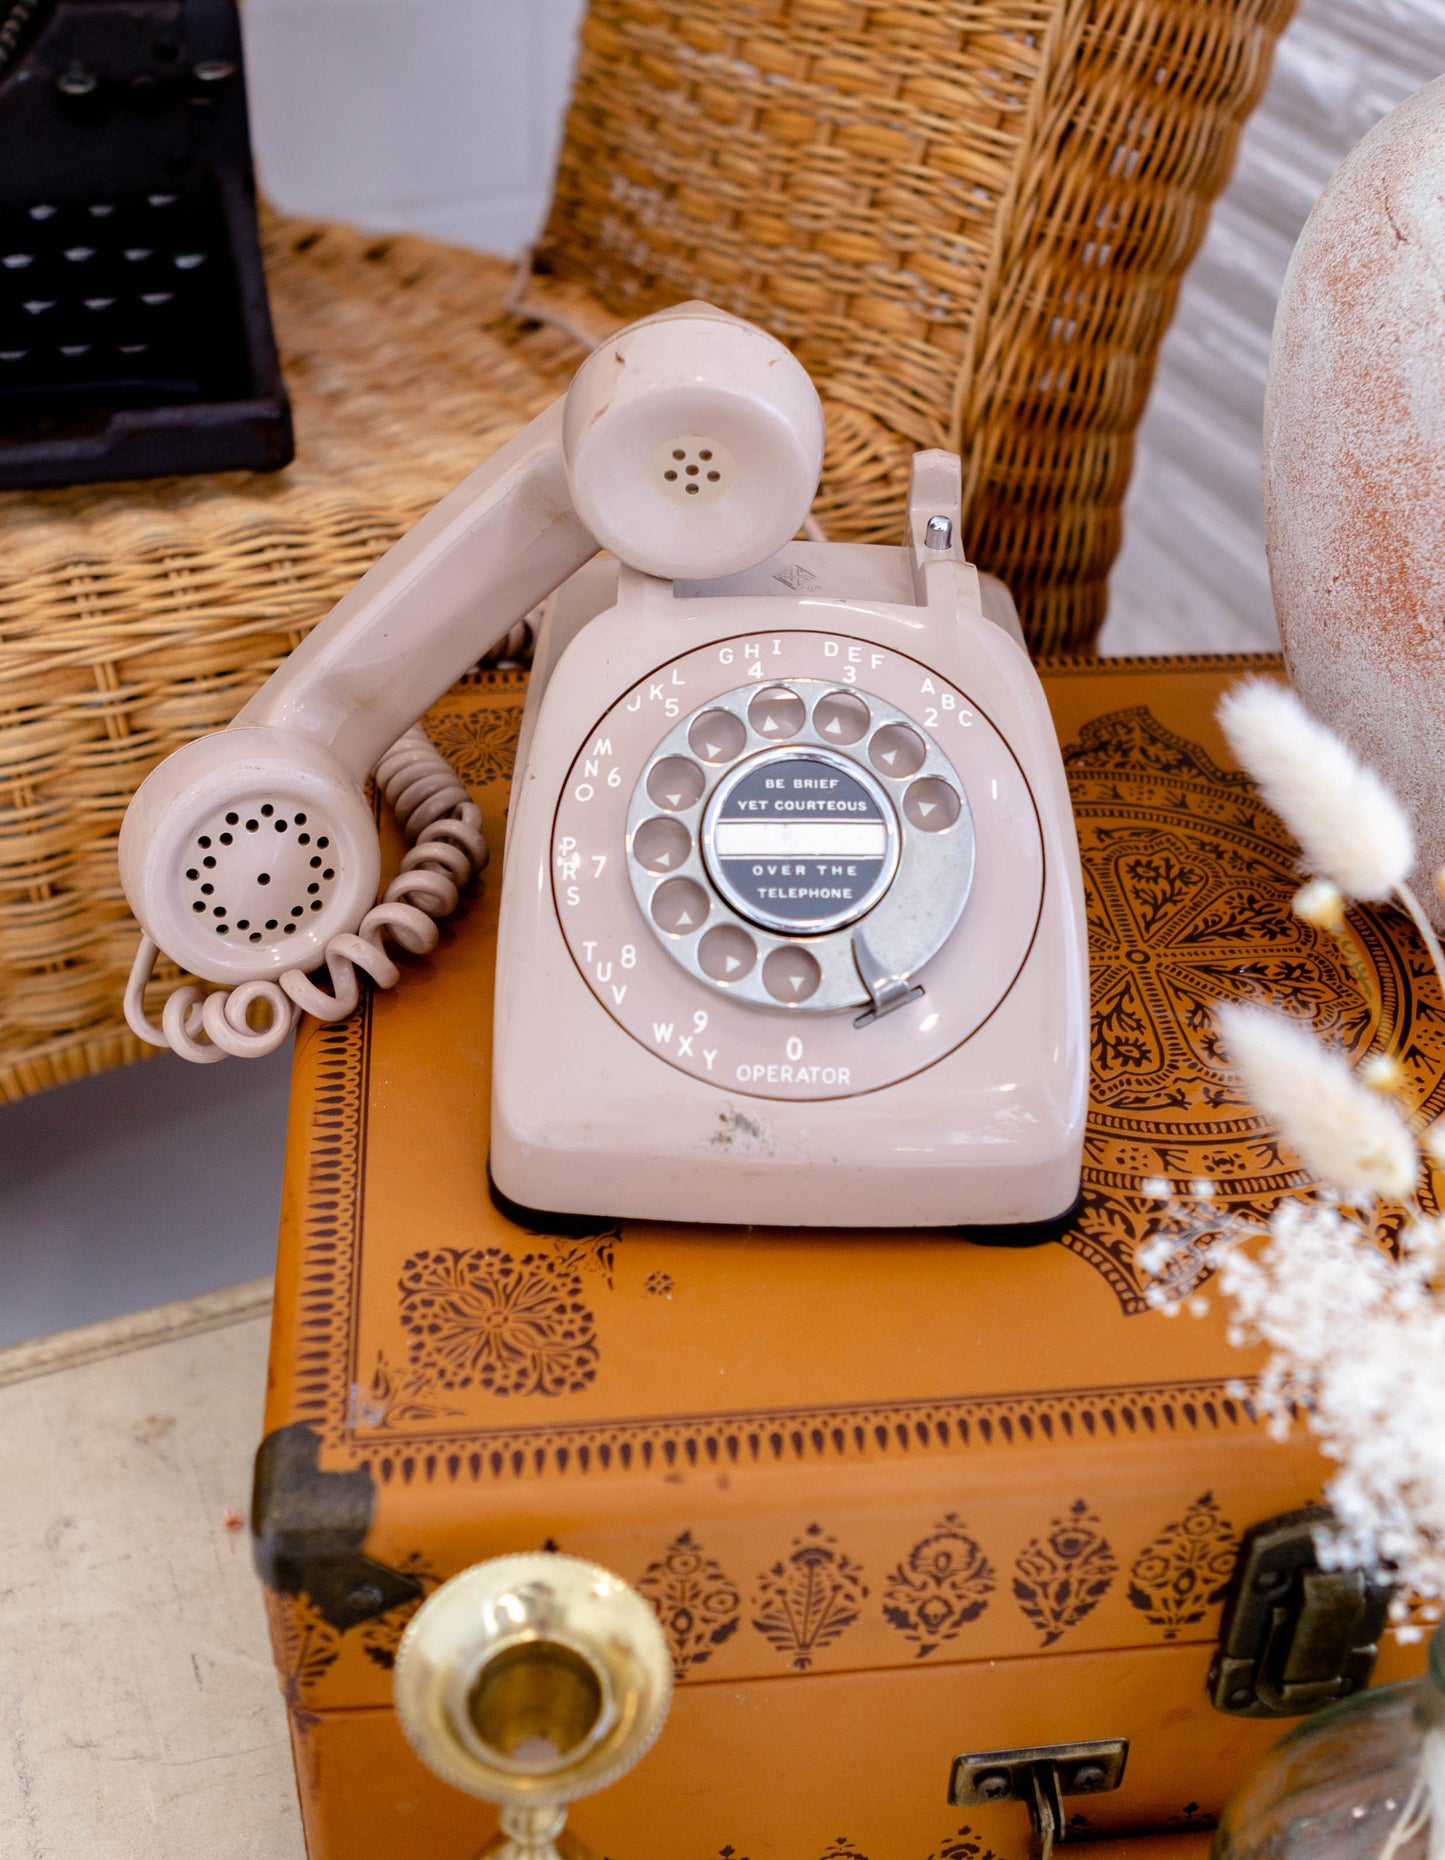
1294 1636
1040 1777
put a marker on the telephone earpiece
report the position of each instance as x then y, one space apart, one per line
693 445
688 445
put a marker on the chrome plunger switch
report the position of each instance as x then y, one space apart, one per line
885 991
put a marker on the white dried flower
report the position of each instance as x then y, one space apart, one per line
1340 1129
1319 903
1383 1072
1357 1342
1349 824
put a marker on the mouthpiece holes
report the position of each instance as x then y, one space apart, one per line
535 1703
238 880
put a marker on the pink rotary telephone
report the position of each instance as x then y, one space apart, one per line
792 925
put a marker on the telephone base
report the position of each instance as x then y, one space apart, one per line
745 813
583 1226
546 1220
1021 1233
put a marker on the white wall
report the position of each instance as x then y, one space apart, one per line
1192 572
437 115
442 115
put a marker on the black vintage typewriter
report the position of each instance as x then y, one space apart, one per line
135 338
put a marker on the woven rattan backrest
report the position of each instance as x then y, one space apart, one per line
969 217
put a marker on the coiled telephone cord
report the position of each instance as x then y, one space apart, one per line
445 827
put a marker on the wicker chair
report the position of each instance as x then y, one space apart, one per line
970 217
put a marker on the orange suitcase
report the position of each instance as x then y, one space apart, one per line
896 1500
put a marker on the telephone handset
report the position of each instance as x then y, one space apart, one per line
791 927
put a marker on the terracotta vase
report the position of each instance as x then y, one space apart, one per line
1354 461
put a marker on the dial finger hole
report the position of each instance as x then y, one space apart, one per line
661 844
791 975
776 713
840 717
897 752
717 736
675 784
931 805
726 954
679 907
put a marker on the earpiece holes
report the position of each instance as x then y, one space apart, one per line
692 477
231 819
263 878
267 811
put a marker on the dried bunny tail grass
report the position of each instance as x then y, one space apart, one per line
1350 825
1344 1132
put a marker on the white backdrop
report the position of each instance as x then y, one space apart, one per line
442 115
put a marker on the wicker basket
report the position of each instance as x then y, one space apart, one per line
969 218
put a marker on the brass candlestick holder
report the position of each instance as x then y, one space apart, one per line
529 1681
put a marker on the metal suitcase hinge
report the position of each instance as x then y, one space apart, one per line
1040 1777
1294 1636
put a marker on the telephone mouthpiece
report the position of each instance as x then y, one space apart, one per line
693 444
246 851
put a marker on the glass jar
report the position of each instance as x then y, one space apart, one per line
1352 1782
